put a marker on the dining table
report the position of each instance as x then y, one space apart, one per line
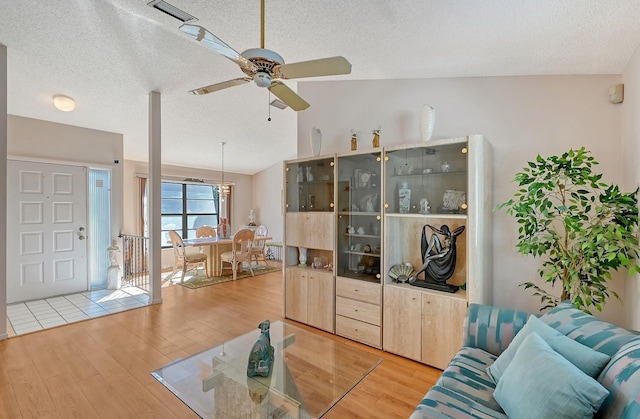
215 246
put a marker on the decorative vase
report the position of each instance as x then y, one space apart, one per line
316 141
302 256
309 174
427 122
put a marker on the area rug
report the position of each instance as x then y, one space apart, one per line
199 282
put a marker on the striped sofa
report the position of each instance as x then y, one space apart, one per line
465 390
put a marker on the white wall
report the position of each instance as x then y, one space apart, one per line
267 199
241 196
631 144
34 139
521 117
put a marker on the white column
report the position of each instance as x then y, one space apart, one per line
155 179
3 191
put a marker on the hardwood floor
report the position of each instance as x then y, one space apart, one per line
100 368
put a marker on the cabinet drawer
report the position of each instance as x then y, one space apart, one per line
358 310
358 290
359 331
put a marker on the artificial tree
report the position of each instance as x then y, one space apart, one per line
582 227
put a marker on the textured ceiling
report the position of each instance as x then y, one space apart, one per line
109 54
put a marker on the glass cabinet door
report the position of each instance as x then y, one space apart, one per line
359 216
427 180
309 185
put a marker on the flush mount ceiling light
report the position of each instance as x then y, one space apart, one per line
64 103
278 104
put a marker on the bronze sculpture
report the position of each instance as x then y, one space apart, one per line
439 260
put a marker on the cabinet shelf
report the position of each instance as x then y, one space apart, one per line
353 252
458 295
317 182
309 268
419 174
361 276
369 236
369 214
427 216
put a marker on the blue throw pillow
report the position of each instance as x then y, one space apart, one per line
590 361
540 383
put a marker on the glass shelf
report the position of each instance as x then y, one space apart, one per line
409 189
309 185
359 202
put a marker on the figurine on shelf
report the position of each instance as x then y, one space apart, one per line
302 256
368 202
424 206
262 354
404 195
309 174
300 174
351 229
376 138
361 230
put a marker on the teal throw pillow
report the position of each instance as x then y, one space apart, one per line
540 383
590 361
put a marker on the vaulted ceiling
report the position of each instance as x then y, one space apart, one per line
109 54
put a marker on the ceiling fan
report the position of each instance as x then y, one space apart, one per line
265 66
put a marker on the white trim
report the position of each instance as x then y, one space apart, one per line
62 162
188 181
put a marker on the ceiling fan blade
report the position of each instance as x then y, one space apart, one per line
322 67
211 41
220 86
288 96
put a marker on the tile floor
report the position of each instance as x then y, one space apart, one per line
51 312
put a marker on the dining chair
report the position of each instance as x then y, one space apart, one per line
240 252
182 259
259 246
206 231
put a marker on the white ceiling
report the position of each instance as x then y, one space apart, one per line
109 54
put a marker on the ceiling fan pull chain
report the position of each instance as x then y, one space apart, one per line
269 101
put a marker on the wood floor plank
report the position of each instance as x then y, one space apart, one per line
68 399
102 361
31 394
104 401
141 401
9 408
101 367
74 361
170 402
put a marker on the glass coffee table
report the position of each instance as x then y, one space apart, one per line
311 373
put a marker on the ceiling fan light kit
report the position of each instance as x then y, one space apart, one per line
264 66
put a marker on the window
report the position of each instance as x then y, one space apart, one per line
186 207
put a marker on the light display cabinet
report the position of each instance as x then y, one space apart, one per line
309 282
436 183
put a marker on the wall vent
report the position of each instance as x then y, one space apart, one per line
171 10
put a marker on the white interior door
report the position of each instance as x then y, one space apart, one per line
46 230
